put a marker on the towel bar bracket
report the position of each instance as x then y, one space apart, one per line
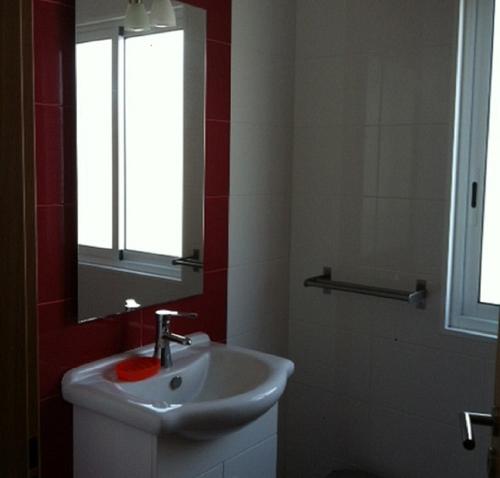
192 261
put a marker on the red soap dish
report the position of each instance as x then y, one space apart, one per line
137 368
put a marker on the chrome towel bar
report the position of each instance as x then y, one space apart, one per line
325 282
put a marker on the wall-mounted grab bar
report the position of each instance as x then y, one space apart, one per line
326 283
190 261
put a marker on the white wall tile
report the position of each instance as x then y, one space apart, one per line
357 228
319 99
415 161
260 159
263 52
441 21
316 164
411 235
404 378
374 89
364 18
437 84
363 162
394 235
321 28
336 160
427 328
402 26
341 89
314 228
418 86
258 228
334 231
433 156
398 165
257 295
262 89
400 89
261 93
271 337
363 88
324 431
255 33
336 360
404 445
430 220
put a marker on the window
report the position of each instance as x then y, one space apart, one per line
95 143
130 148
154 129
474 268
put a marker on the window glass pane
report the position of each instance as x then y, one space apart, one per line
490 267
94 143
154 137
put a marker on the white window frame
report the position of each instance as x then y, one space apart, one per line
464 312
118 257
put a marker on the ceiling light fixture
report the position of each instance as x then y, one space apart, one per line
136 18
163 14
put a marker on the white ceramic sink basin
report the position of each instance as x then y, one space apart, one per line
223 388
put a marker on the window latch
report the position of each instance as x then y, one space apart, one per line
473 201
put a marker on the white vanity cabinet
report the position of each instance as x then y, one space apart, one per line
212 414
256 462
217 472
259 461
109 449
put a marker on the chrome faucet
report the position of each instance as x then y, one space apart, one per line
164 336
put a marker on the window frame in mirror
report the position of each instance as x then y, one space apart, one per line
182 281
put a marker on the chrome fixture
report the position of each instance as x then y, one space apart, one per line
192 261
164 336
326 283
467 419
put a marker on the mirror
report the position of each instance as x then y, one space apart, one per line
140 155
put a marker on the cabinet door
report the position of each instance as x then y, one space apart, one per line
217 472
256 462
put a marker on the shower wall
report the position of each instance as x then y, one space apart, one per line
378 383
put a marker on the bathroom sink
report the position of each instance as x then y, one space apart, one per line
211 389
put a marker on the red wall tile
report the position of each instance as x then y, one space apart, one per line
219 18
56 428
62 343
56 252
216 233
54 52
49 154
218 81
69 154
217 152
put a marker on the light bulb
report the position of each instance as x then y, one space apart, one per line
163 14
136 18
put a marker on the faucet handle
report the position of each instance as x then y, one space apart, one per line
164 314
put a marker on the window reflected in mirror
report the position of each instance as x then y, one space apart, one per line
140 158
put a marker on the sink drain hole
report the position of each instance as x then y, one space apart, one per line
176 382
